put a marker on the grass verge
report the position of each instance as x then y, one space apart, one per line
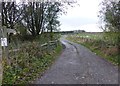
29 63
96 46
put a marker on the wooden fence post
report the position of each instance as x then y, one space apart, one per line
5 46
1 67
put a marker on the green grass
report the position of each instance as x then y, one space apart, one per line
91 35
112 59
96 45
29 63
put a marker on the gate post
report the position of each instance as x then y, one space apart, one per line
1 67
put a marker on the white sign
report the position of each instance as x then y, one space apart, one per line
3 41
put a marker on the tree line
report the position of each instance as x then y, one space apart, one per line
33 17
110 15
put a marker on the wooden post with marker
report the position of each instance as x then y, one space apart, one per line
1 66
4 45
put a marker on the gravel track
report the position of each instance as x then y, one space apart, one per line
78 65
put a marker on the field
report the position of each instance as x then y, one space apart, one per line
103 44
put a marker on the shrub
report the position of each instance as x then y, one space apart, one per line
27 63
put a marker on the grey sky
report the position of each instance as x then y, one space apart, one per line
82 17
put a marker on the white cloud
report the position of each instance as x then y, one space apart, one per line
87 28
90 28
85 14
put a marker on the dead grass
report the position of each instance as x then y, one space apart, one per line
110 51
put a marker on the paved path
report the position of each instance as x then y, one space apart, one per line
78 65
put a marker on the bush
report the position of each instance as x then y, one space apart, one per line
27 63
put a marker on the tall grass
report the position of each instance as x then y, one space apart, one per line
103 44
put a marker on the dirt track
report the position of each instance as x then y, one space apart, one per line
78 65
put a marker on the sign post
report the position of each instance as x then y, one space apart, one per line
1 66
3 50
4 45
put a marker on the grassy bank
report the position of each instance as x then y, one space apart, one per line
96 43
29 63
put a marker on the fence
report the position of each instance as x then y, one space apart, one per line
29 59
50 45
44 47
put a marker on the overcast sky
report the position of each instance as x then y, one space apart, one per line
83 17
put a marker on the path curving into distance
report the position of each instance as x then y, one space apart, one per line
78 65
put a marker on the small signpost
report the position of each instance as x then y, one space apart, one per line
3 50
3 42
1 66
